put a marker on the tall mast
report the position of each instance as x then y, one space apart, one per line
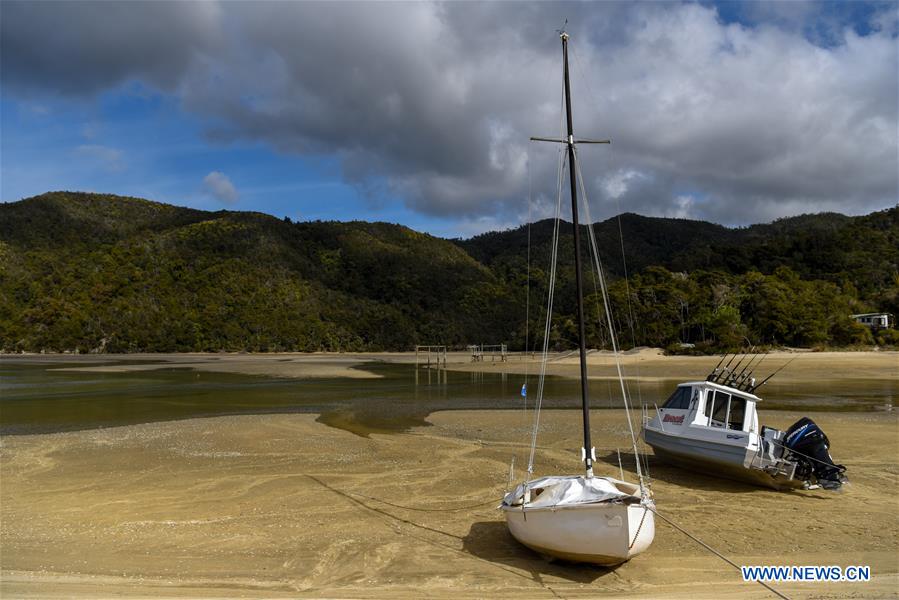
570 142
585 402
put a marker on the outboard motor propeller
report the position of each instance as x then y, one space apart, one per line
809 448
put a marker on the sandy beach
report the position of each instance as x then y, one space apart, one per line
651 364
284 506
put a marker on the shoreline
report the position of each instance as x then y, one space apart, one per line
652 365
648 364
834 382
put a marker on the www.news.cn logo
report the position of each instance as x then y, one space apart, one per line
806 573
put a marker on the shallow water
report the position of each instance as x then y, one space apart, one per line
36 397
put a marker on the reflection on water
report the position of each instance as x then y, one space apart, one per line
38 398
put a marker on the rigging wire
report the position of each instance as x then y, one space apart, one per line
549 309
527 313
527 300
632 321
554 254
631 316
527 319
605 295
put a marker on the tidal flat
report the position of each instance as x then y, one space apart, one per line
391 492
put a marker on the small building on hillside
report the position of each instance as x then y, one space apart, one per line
875 320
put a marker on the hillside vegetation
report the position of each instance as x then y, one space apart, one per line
90 272
97 272
792 282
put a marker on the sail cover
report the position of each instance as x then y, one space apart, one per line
553 491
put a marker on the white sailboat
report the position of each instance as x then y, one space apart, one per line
585 518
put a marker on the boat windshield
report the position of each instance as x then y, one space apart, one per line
719 411
724 410
737 413
679 399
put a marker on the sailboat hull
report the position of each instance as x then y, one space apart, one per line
606 533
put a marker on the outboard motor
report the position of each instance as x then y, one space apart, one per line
809 446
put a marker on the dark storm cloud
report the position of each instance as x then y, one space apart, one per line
79 48
435 102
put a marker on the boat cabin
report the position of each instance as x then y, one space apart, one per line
713 427
709 406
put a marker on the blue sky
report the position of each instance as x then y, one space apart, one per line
137 142
730 112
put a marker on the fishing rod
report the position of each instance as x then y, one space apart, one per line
714 372
745 374
724 370
733 372
765 380
761 360
752 357
748 376
732 377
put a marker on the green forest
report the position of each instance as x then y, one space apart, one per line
100 273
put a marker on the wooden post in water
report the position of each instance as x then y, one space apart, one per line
437 351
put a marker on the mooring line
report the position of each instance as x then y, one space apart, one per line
715 552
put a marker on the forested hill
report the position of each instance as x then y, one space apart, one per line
829 246
92 272
87 271
792 282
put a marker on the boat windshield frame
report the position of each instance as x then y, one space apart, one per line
724 388
701 411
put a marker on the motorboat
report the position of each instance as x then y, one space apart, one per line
713 426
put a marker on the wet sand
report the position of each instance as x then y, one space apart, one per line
283 506
646 364
297 365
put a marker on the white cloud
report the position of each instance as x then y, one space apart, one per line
220 187
618 183
683 207
434 102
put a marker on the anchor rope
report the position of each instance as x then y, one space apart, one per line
639 527
713 551
417 509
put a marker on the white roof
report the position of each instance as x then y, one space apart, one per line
723 388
